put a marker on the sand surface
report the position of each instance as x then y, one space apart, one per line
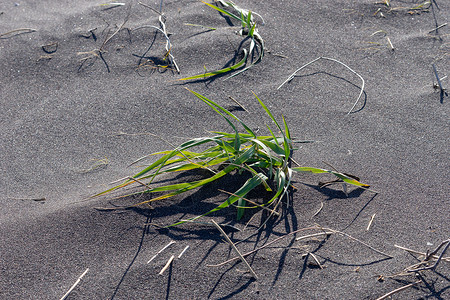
64 108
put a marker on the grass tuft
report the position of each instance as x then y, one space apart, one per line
265 158
248 30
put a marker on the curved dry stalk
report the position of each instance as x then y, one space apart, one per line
292 76
319 210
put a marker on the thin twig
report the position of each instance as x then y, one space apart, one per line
182 252
438 79
440 26
167 265
238 104
74 285
140 182
359 241
21 30
235 249
279 55
438 248
428 256
335 60
208 223
30 199
370 222
421 253
264 246
398 290
117 31
390 43
325 231
164 248
148 6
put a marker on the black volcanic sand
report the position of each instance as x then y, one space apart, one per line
59 115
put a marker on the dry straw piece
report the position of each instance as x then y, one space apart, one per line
169 262
370 222
325 231
182 252
235 249
74 285
163 248
399 290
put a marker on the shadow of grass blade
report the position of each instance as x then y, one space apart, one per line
242 192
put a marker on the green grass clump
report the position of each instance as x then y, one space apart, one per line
248 29
266 158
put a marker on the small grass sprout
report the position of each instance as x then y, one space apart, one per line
266 159
248 29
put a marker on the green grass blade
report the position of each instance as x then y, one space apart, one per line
251 50
252 29
160 163
274 146
223 11
267 152
269 113
286 129
222 71
280 179
341 176
193 166
242 192
243 21
214 105
245 156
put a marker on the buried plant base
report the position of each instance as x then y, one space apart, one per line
266 158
